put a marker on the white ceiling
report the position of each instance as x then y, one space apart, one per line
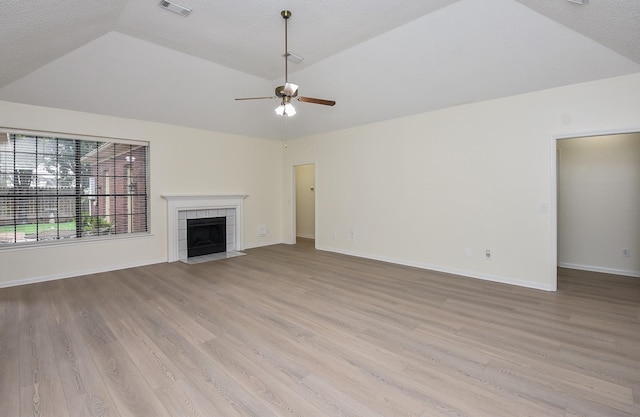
379 59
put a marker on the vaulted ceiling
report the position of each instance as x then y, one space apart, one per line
379 59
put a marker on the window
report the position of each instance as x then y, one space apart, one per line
61 188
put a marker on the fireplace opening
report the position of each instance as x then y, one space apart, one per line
206 236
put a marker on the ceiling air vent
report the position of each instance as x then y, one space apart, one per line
175 8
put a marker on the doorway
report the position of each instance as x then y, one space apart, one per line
305 202
597 220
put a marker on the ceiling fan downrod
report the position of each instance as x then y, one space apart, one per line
286 14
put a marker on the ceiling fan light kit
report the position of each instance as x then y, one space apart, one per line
289 91
285 109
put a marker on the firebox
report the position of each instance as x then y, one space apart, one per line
206 236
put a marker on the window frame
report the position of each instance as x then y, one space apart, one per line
78 216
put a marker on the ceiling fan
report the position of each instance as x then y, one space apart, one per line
289 91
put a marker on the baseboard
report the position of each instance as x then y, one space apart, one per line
430 267
604 270
305 236
35 280
446 270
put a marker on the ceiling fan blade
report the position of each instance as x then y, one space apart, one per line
317 101
256 98
290 89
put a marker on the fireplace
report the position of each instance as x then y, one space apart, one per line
206 236
181 208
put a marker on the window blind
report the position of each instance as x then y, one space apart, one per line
55 188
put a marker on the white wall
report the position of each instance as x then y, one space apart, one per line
472 176
305 201
182 161
599 203
421 190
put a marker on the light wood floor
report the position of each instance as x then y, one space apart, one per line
290 331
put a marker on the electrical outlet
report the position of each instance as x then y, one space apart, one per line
262 231
333 235
353 235
487 253
626 253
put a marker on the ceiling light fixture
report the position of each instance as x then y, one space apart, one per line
175 8
285 108
578 1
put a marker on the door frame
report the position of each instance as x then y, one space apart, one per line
294 208
554 190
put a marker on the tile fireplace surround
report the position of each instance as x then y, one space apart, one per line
181 207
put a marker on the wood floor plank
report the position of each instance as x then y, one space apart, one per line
41 392
84 388
9 351
289 331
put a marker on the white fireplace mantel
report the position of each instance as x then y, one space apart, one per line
177 203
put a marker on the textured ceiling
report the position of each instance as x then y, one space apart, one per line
379 59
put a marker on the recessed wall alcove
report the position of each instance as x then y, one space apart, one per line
182 207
